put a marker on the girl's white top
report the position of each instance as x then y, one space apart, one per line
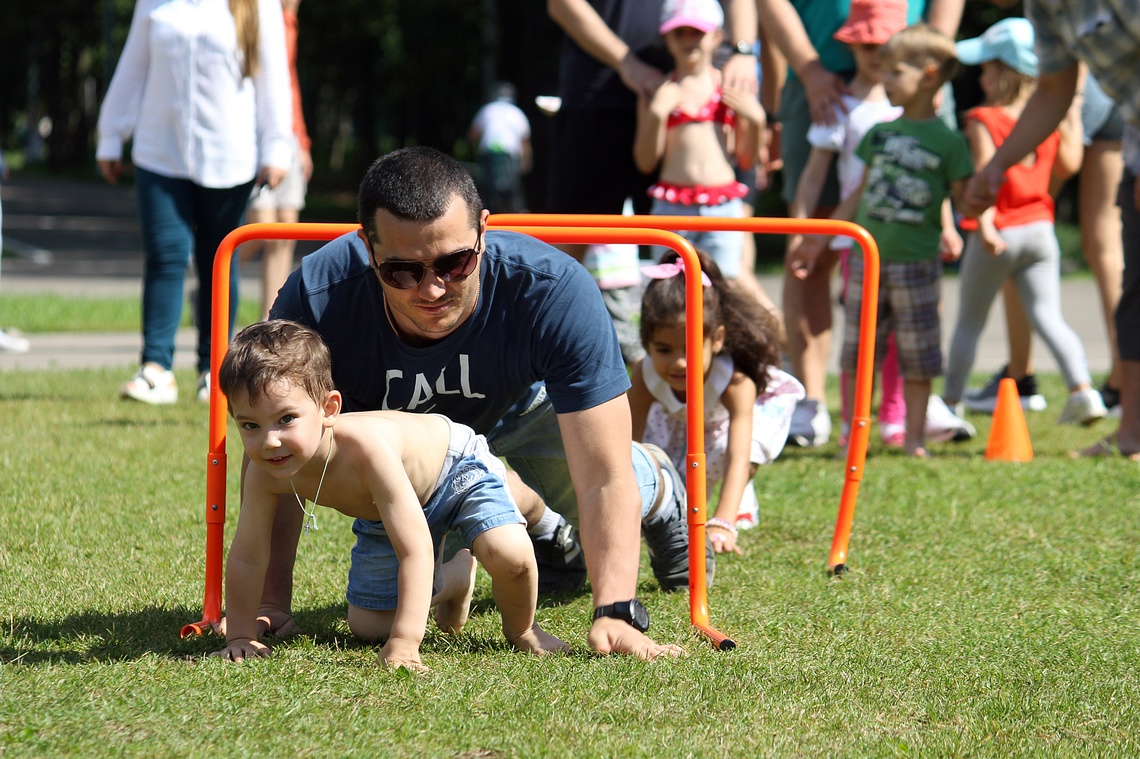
667 423
179 91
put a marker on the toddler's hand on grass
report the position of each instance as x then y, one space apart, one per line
242 649
397 653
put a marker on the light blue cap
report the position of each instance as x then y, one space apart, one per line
1009 41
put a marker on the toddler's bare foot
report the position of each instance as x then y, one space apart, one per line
458 579
540 642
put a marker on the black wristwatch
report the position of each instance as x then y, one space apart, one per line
744 47
630 612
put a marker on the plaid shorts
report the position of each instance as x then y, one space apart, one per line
908 306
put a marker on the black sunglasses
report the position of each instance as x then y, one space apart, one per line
452 267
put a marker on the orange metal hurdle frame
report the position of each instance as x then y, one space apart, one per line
868 317
560 228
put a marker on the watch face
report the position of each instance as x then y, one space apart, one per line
638 616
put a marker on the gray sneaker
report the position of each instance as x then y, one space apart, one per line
561 565
666 532
811 424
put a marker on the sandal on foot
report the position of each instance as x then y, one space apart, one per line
1106 447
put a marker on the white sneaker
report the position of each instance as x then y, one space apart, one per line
204 387
811 424
1083 407
749 514
11 341
893 435
943 425
151 384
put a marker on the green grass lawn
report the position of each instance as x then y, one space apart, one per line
990 610
45 312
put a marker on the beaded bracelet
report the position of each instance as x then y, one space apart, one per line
724 524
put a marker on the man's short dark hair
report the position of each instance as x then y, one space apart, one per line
415 184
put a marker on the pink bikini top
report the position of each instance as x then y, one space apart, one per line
714 110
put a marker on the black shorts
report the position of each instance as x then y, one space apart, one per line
591 166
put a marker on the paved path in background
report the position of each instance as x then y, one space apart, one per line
76 238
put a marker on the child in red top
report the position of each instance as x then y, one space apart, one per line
1015 238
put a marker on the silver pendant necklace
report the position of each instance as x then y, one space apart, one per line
310 522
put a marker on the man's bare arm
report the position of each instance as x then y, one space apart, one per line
945 15
599 453
581 23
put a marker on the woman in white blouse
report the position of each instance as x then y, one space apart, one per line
202 87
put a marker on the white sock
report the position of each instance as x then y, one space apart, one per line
546 524
664 494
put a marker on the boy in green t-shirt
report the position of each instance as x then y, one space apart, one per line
913 164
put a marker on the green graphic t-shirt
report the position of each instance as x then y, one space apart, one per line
910 166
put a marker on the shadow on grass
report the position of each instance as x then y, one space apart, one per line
136 423
94 636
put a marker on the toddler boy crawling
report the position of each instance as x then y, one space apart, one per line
406 478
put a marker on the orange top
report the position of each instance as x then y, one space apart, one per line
1024 198
291 51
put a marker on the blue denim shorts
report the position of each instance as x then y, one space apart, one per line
470 496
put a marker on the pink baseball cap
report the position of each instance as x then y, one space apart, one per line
872 22
705 15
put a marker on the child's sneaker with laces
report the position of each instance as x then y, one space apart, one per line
748 516
943 425
561 564
1083 407
666 530
747 520
811 424
151 384
1111 397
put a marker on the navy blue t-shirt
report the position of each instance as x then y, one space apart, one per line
540 317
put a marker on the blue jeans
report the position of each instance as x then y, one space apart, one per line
529 439
178 218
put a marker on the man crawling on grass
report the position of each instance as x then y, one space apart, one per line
406 478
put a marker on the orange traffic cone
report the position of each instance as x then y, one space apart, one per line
1009 435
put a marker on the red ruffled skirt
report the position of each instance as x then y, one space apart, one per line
698 195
